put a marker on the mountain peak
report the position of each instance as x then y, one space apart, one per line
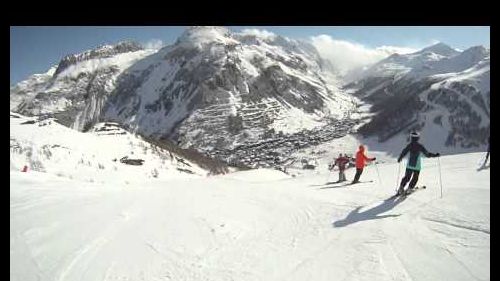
481 50
204 29
205 34
99 52
127 46
440 49
474 54
112 49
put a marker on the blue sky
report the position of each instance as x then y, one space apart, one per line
36 49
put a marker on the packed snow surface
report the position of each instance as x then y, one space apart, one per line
254 225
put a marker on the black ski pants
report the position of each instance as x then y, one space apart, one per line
408 175
358 174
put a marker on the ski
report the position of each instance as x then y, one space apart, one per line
347 184
351 183
333 182
410 191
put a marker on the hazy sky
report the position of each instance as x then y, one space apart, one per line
36 49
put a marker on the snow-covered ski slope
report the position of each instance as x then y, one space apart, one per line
254 225
47 146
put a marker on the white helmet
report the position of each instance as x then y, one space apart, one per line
414 135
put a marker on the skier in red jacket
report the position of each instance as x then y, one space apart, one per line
361 159
341 161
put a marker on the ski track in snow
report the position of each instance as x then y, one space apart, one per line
253 225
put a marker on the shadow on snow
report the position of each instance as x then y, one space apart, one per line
326 186
370 214
329 184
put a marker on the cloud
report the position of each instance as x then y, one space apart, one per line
153 44
258 33
389 50
347 56
434 41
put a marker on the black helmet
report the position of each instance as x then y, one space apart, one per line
414 136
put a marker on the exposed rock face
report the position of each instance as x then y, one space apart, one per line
216 89
98 53
76 90
211 89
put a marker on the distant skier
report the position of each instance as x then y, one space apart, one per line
487 154
414 164
361 159
341 161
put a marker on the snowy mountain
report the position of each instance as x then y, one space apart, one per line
421 61
443 92
217 89
211 89
105 153
27 89
255 98
75 90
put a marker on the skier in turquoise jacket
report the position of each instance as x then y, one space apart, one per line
414 164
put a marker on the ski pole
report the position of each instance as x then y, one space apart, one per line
328 174
327 177
397 179
440 180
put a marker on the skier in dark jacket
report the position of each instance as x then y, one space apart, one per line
487 154
414 165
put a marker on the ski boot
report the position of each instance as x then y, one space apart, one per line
401 191
410 190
